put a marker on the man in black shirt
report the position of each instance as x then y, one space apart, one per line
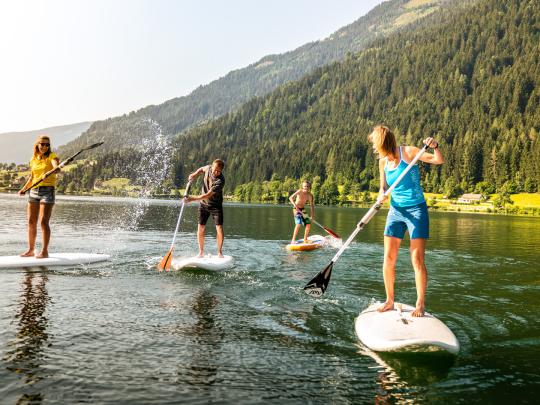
211 202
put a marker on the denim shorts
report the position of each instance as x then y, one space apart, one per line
415 219
44 194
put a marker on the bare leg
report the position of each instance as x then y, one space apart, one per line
45 211
391 249
306 232
418 255
295 232
200 239
220 237
32 212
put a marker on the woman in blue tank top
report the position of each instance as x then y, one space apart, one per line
408 209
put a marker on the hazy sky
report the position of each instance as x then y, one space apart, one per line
67 61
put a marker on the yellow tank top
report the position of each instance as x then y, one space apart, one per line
41 166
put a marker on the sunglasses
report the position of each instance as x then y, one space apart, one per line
45 144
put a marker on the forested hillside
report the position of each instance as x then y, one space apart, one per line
472 82
227 93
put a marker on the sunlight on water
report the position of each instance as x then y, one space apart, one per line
120 332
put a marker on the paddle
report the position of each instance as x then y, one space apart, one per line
62 164
328 230
317 286
165 263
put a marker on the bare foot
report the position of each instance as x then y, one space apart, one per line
388 306
28 253
419 311
42 255
200 255
220 255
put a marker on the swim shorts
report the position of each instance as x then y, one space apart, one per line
415 219
205 212
299 219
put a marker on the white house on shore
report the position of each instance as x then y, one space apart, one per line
470 198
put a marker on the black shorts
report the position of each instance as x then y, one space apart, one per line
205 212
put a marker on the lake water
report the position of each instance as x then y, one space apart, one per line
120 332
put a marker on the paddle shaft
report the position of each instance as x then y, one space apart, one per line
377 206
335 235
61 165
316 223
181 211
332 233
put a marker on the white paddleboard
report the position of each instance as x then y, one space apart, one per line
395 331
206 263
54 259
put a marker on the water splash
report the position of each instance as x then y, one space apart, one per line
152 170
333 242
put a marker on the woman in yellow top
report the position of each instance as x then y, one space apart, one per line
44 163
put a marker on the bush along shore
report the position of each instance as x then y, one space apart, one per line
330 193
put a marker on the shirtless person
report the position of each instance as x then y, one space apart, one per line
299 200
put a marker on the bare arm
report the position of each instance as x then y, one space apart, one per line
27 184
291 198
435 158
56 167
192 177
200 197
311 206
196 173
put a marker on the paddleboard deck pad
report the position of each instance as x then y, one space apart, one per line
205 263
54 259
314 242
395 331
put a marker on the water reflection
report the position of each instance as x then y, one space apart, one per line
401 374
25 354
206 342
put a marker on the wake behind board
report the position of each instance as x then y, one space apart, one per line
314 242
205 263
395 331
54 259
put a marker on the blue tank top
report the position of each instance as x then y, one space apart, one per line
409 191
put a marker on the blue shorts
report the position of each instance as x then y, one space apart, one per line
300 220
43 194
415 219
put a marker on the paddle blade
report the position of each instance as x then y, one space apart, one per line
165 263
317 286
331 232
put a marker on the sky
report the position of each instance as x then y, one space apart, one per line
68 61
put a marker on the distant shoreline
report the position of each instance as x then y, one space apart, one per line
528 211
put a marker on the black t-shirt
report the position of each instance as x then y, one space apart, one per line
214 184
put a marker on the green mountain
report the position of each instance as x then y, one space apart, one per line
472 80
231 91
